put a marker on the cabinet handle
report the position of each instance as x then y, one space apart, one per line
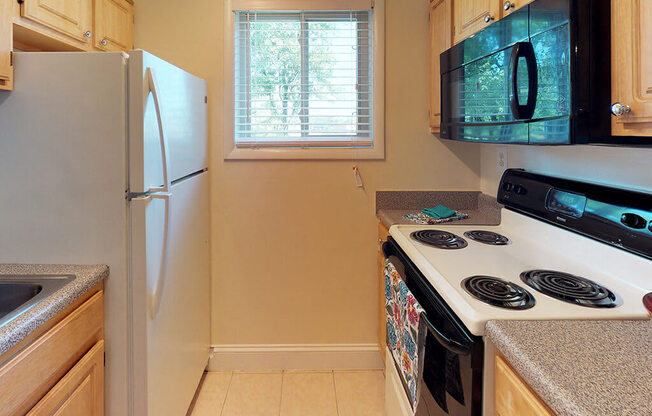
619 110
104 42
508 5
88 34
488 18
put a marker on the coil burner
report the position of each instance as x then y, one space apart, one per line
498 292
439 239
570 288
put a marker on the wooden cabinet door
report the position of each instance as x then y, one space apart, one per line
441 38
69 17
28 376
631 66
114 25
6 31
509 6
513 397
470 16
80 392
383 233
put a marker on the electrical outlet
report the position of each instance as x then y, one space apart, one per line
501 159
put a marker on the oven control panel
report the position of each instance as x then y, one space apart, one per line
567 203
616 216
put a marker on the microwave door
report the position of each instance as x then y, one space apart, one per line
477 100
551 120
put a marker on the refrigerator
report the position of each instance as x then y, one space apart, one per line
103 160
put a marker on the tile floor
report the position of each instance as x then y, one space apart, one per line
291 393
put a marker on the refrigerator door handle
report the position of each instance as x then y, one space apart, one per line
157 291
152 86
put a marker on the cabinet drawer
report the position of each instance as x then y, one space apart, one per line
513 396
80 392
28 376
69 17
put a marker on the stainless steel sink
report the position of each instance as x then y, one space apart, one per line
19 293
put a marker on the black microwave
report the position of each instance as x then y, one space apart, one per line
541 75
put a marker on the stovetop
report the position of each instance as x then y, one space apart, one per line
531 245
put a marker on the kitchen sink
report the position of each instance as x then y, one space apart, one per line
20 293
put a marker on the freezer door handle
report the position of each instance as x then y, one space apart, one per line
152 86
157 291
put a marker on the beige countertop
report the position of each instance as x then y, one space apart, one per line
392 205
20 327
582 368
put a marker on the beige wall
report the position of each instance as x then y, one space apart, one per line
294 242
616 166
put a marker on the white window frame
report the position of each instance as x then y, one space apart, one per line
376 151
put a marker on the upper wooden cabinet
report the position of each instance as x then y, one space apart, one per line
631 66
471 16
6 69
114 25
441 38
73 18
63 25
509 6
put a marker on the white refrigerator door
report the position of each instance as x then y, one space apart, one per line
166 106
170 292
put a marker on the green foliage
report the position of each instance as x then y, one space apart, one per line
278 83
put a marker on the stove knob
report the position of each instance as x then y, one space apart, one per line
507 187
633 220
520 190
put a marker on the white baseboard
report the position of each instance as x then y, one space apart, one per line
295 357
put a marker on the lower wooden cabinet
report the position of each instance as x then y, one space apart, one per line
59 369
513 396
383 233
80 392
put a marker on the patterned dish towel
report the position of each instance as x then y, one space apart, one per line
421 218
406 332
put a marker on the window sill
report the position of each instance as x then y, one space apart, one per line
377 153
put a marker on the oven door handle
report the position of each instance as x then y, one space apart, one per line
445 342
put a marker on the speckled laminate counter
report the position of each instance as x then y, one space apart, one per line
392 205
582 368
20 327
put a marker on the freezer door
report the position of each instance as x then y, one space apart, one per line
167 122
170 292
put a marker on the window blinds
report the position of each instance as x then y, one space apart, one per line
303 79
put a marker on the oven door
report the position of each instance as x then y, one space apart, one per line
453 359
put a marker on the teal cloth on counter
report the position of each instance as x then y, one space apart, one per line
439 212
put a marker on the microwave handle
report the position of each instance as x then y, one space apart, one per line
525 50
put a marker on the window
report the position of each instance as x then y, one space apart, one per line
303 83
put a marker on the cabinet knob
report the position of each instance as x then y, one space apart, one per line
488 18
619 110
104 42
508 5
88 34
